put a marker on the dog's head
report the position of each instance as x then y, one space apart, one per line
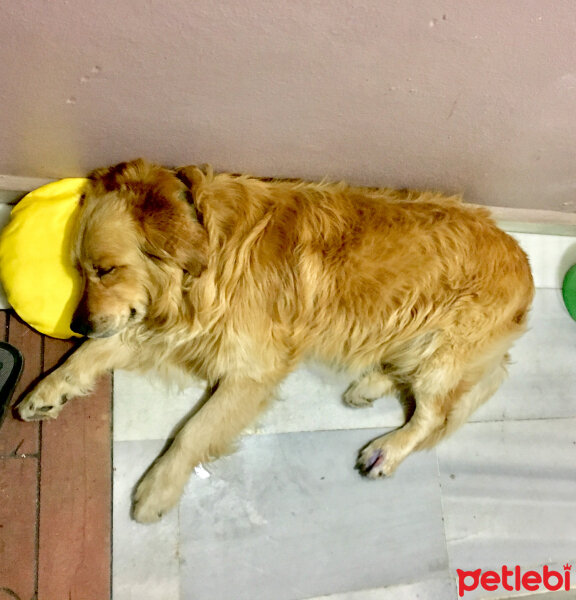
137 237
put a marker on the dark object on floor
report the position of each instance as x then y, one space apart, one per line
11 363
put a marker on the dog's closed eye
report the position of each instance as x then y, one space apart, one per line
103 271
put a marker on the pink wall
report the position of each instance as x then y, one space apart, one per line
469 95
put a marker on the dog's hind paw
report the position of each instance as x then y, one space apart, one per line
380 458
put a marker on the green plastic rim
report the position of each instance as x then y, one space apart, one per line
569 291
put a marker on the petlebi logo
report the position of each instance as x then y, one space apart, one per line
514 579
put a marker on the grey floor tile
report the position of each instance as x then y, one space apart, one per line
145 558
310 399
509 495
287 518
147 408
441 588
559 595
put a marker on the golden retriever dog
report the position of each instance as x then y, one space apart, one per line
236 279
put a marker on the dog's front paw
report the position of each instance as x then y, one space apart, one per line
353 397
38 405
157 493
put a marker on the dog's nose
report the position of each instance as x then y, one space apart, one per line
80 326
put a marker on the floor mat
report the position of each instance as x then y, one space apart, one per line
11 363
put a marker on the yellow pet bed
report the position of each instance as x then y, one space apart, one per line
40 281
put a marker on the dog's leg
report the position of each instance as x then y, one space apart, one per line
479 393
208 434
382 456
75 377
435 386
436 414
368 388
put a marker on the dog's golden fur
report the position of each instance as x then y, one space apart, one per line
236 279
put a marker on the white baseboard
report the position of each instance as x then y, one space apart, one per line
535 221
12 188
4 218
14 183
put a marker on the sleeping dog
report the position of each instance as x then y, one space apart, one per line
236 279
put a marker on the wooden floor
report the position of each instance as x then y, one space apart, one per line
55 487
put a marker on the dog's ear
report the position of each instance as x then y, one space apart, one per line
162 208
170 227
121 176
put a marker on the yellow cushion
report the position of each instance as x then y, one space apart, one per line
40 281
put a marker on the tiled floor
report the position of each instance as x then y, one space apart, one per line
288 518
55 488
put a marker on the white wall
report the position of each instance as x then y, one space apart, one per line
467 95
